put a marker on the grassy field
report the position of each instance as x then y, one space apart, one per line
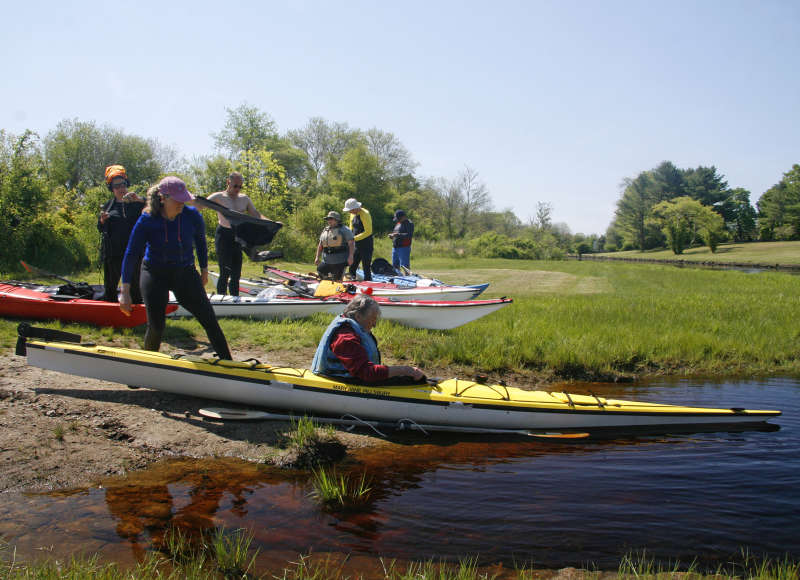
578 320
766 253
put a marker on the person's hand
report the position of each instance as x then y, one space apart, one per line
349 260
103 216
316 261
131 196
204 276
125 302
406 371
393 235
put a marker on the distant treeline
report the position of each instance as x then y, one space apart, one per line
678 208
51 189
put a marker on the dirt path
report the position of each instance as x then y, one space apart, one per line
59 430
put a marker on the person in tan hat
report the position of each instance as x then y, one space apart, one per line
361 226
115 223
335 249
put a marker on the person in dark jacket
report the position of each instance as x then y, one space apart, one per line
401 235
167 233
117 218
349 350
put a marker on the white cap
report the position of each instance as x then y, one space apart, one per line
351 204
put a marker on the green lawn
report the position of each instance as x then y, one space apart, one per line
569 320
766 253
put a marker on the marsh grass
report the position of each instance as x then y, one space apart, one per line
303 432
196 566
569 320
337 491
226 552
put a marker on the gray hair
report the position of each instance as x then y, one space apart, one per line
360 306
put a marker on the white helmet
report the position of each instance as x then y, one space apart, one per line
351 204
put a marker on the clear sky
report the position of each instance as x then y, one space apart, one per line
554 101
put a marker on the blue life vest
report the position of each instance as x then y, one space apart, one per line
327 363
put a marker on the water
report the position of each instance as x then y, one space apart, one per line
683 497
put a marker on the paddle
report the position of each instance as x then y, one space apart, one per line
40 272
402 425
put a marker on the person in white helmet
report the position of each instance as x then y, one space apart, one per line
361 226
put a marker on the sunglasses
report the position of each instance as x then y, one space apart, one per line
117 184
236 186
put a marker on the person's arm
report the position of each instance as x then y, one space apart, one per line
130 260
348 349
366 221
201 245
251 210
319 252
351 250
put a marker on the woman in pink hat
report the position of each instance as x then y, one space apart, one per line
167 233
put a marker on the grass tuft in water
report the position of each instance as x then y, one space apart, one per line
338 491
231 551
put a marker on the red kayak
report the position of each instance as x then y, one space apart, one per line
21 300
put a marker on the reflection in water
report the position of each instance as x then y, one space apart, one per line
548 503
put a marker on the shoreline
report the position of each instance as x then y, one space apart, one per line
692 263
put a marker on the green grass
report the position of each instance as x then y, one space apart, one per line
569 320
768 253
338 491
195 565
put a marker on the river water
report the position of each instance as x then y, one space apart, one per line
688 497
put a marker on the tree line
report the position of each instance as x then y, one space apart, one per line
51 189
680 208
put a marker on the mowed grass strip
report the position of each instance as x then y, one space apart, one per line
767 253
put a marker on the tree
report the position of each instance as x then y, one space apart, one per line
390 151
360 174
265 183
633 208
246 129
779 208
323 141
706 186
684 219
77 153
739 215
544 215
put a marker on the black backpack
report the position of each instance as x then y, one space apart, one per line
383 267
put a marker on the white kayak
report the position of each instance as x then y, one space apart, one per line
453 293
432 315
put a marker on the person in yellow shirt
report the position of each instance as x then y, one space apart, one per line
361 226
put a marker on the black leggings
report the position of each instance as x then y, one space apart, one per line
229 256
112 270
185 283
363 254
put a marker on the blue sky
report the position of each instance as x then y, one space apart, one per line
552 102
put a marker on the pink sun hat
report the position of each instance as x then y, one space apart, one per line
175 188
